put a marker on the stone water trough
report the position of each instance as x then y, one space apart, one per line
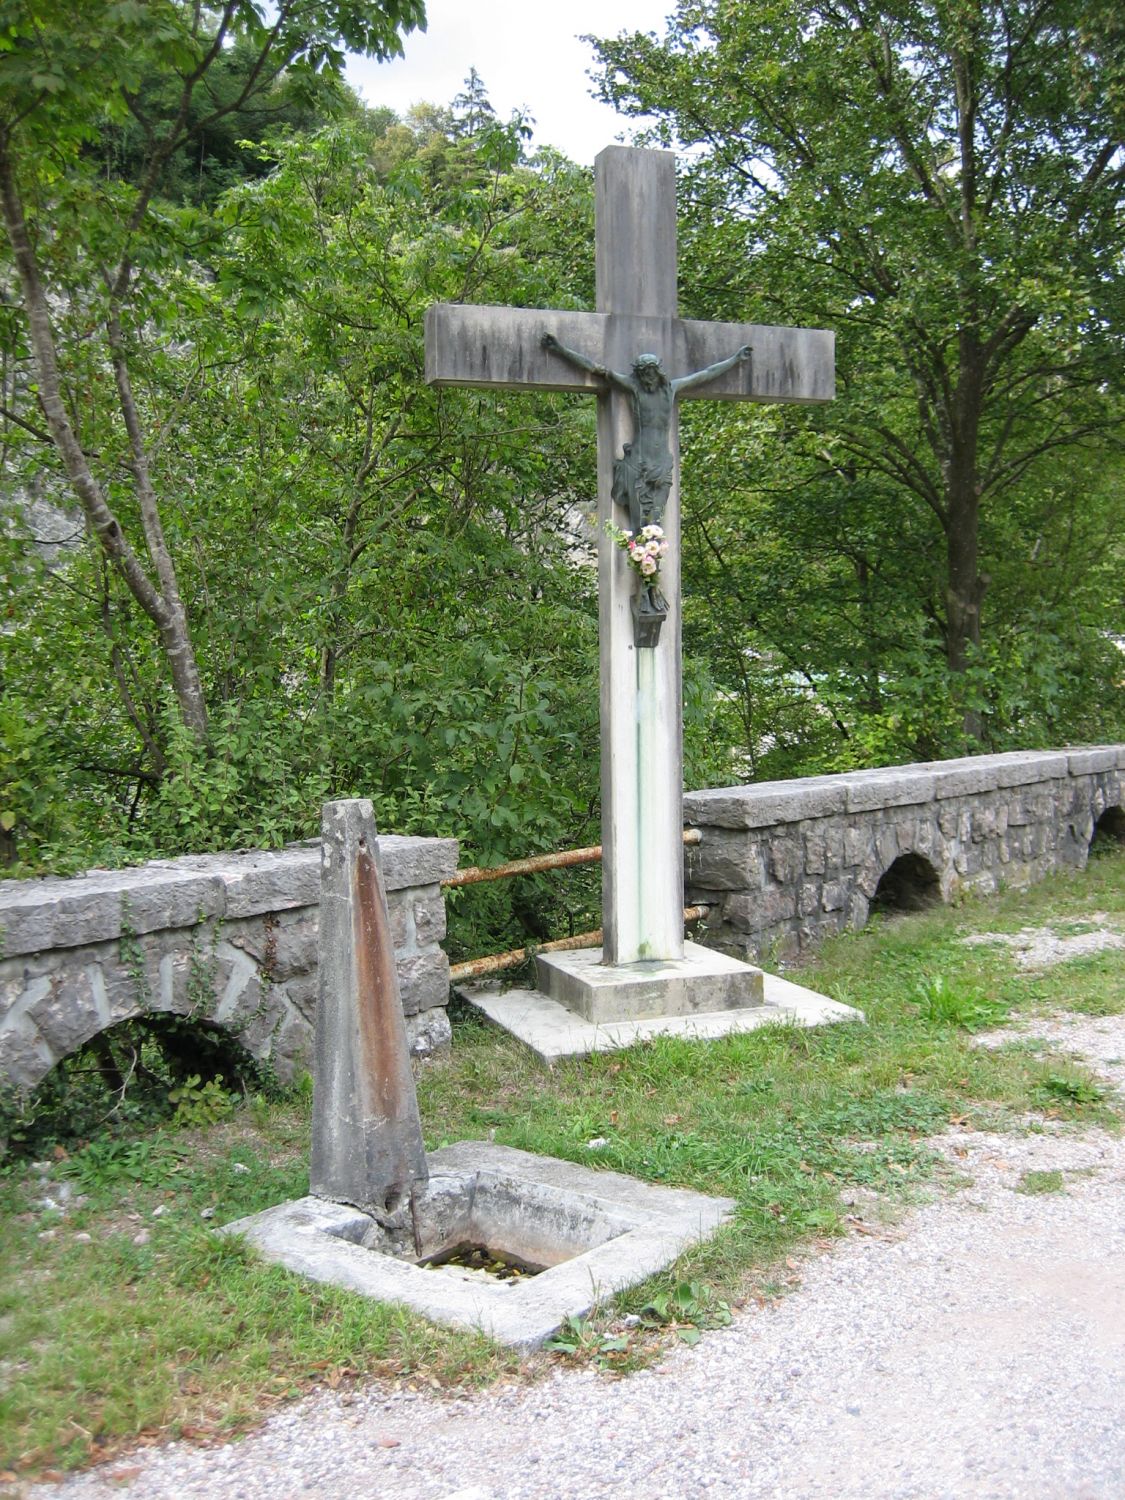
474 1235
573 1237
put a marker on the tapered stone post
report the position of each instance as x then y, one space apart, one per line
366 1132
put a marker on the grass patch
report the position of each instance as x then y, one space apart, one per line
1091 985
128 1317
1034 1183
152 1326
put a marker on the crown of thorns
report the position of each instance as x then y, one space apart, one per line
644 360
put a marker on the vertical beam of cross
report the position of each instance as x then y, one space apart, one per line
641 734
642 743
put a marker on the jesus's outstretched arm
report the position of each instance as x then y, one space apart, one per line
712 372
581 362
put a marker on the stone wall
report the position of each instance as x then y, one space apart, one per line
784 864
229 939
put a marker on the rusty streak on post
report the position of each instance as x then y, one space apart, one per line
475 874
475 968
377 984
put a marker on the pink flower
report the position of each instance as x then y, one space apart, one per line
648 566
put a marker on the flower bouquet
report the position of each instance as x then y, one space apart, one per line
645 550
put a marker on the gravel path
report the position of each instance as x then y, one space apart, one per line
1041 947
975 1350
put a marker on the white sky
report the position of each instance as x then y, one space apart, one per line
527 53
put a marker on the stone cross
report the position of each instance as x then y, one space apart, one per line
641 733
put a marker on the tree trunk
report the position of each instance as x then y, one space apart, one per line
162 605
965 586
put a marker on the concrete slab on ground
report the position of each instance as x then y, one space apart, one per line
552 1031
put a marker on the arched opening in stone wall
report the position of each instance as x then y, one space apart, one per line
1109 830
910 884
146 1070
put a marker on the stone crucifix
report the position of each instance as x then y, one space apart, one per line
635 328
644 474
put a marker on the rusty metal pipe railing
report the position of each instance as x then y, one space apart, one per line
476 968
476 874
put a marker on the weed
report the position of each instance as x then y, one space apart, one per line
275 1101
110 1162
132 956
203 965
883 1111
1105 846
1067 1089
1091 985
1099 1003
580 1339
689 1307
202 1254
948 1004
135 1074
200 1103
17 1119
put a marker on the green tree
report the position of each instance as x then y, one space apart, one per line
421 592
92 252
940 180
225 126
378 575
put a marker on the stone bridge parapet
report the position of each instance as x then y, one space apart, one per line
783 864
231 939
228 939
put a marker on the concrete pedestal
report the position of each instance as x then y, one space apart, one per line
700 982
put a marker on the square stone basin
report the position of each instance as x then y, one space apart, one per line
588 1234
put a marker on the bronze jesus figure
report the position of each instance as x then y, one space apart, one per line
642 476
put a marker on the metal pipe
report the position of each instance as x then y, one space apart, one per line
476 874
475 968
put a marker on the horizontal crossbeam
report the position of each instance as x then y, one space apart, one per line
500 347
